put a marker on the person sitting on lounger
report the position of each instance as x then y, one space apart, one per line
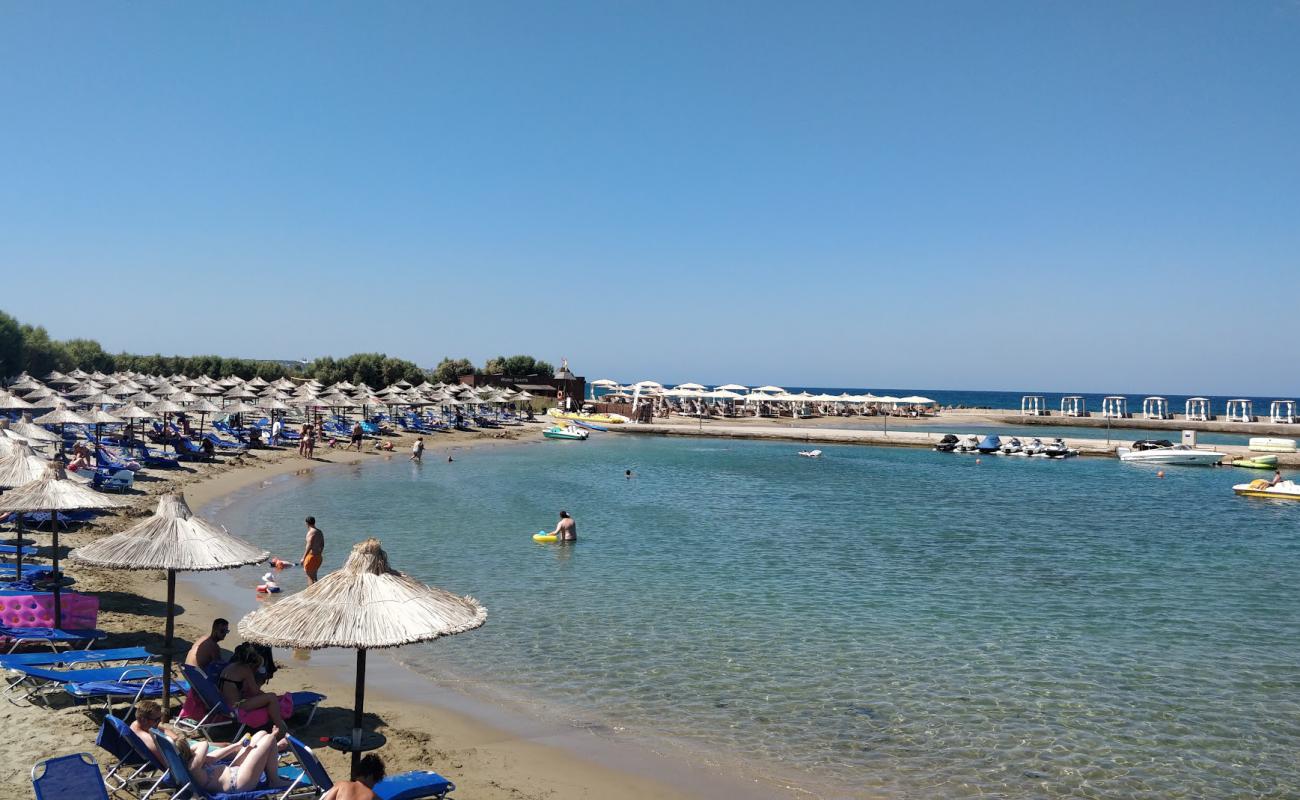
368 772
238 686
249 760
148 714
207 650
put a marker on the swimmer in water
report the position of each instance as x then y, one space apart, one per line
627 473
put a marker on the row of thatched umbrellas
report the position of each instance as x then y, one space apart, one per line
366 605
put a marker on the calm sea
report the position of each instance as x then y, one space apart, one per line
877 622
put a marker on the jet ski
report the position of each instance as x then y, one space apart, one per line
990 444
947 444
1012 447
969 444
1057 449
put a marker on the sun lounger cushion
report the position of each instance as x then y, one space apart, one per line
80 611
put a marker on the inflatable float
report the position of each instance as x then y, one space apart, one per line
543 536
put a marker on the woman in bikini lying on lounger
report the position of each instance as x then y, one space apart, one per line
250 759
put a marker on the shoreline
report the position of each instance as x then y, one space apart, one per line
487 751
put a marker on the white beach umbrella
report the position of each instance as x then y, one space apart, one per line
770 389
732 387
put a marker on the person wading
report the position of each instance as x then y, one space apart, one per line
314 552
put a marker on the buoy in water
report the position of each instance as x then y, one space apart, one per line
1160 473
977 461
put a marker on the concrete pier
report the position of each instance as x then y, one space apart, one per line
899 438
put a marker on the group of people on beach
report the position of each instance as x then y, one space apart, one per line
252 761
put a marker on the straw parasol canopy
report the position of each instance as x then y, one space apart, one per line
365 605
20 466
177 541
10 402
55 492
62 416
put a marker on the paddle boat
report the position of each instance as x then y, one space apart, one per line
1161 452
571 432
1286 490
1257 462
598 419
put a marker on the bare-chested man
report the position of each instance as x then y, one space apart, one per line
566 530
369 771
208 649
313 553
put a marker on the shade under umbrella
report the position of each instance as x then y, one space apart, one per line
55 492
365 605
176 540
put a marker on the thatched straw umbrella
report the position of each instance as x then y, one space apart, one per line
55 492
19 467
365 605
61 417
177 541
10 402
132 413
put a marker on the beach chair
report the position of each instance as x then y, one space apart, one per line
224 444
113 480
130 688
179 778
135 770
38 682
51 637
220 714
76 776
12 550
407 786
70 659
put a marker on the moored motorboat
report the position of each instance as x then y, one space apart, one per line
1057 449
1177 454
570 432
1032 448
947 444
1286 490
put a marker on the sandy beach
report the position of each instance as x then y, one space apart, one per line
427 728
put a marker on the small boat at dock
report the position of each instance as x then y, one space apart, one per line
991 443
947 444
597 419
1257 462
1161 452
569 432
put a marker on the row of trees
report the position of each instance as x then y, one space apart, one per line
28 348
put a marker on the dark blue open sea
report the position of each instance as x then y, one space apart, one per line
879 622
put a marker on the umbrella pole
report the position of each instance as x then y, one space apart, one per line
358 709
167 645
19 534
58 578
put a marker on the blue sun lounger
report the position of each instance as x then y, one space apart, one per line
135 770
130 688
407 786
180 779
40 681
75 776
12 550
70 658
49 636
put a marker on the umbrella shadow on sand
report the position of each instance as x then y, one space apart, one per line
128 603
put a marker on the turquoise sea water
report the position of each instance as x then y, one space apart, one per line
877 622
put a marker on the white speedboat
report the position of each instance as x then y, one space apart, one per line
1173 454
1286 490
811 453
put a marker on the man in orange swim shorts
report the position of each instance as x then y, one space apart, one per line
314 553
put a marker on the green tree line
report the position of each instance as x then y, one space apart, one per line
29 348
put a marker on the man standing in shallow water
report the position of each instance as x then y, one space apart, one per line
566 530
314 553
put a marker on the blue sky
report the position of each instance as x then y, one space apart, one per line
1073 196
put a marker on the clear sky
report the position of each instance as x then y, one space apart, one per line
1071 196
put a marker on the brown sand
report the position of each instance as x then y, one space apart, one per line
500 758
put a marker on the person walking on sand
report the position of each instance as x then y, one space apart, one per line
314 553
417 450
356 437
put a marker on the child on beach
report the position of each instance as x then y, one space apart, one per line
417 450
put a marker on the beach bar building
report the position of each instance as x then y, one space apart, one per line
1240 410
1074 405
1114 407
1156 408
1033 405
1282 412
1197 409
